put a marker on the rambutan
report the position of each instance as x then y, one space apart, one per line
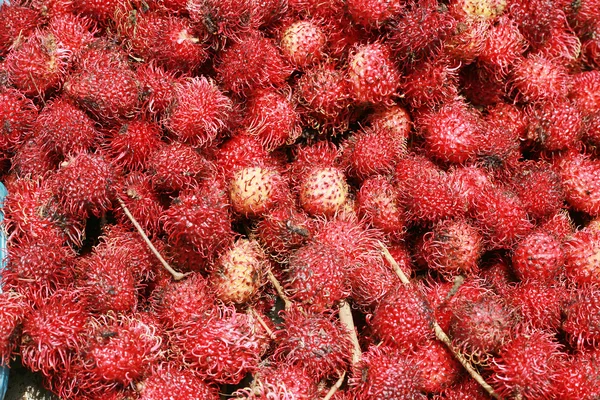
72 32
272 118
582 313
555 125
131 145
538 257
303 42
242 151
582 257
439 369
33 160
579 174
176 166
478 9
402 318
253 62
227 19
540 190
157 88
577 377
13 308
142 201
17 115
466 389
317 342
378 202
65 129
526 297
467 41
535 19
584 90
372 75
199 113
280 381
254 191
537 78
431 82
17 22
100 10
503 46
168 378
282 230
374 14
528 365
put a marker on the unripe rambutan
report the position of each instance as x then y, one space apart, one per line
467 41
51 333
478 9
255 191
537 78
168 378
323 190
317 275
501 217
580 174
431 82
200 218
452 133
528 366
33 160
503 46
122 348
402 318
582 261
384 372
157 88
200 112
303 42
556 125
178 303
394 119
538 257
38 65
374 14
240 272
253 62
324 94
372 75
425 25
222 347
103 84
526 299
439 369
539 189
481 325
17 115
17 22
584 92
317 342
577 378
65 129
452 248
272 118
131 145
378 202
72 32
176 166
12 310
426 191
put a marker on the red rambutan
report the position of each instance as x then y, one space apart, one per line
539 189
157 88
580 180
431 82
537 78
526 298
556 125
17 115
17 22
33 160
72 32
439 369
584 92
378 202
582 317
176 166
582 261
503 46
12 311
374 14
168 378
131 145
538 257
142 201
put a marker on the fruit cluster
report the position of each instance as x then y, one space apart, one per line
299 199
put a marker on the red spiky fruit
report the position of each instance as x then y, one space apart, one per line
452 133
579 174
17 22
226 19
385 372
38 65
33 160
556 125
168 378
526 297
253 62
84 185
303 43
563 43
466 389
142 201
72 32
324 94
378 202
582 261
468 40
200 112
528 365
176 166
199 218
537 78
65 129
177 303
255 191
242 151
402 318
100 10
582 317
282 230
323 189
535 19
131 144
17 115
222 347
584 90
51 333
103 84
280 381
374 14
272 118
317 276
372 74
540 190
560 225
13 308
577 378
538 257
157 88
431 82
240 272
452 248
326 344
122 348
439 369
426 191
503 46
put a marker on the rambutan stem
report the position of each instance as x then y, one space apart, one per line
335 387
439 332
176 275
262 323
279 289
347 320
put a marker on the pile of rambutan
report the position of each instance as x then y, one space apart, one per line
299 200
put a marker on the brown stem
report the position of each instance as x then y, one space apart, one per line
347 320
176 275
279 290
262 323
336 386
439 332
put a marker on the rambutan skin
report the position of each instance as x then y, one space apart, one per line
131 145
17 116
378 202
254 191
579 173
12 311
582 264
303 43
176 166
167 379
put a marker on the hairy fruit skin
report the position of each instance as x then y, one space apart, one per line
579 174
17 116
176 166
323 191
168 378
255 191
302 43
12 309
378 202
582 257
